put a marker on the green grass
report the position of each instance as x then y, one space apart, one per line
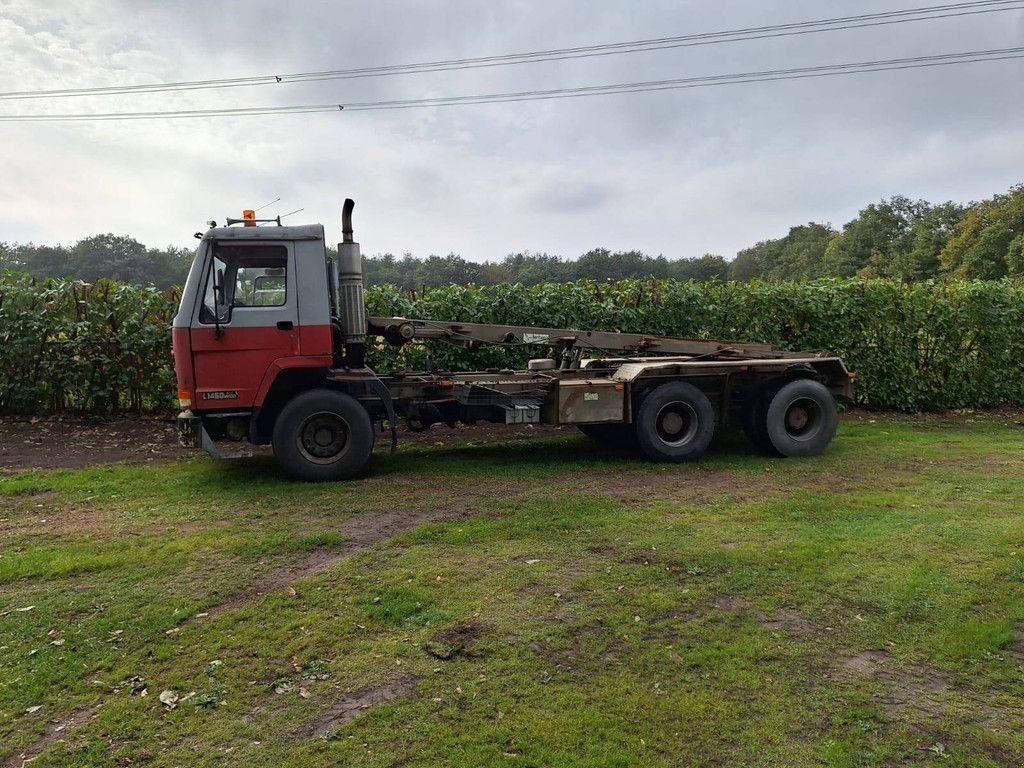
863 608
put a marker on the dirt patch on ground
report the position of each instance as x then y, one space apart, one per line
697 484
460 640
56 730
867 663
27 501
586 651
645 488
789 621
351 707
906 689
927 700
731 604
51 443
1016 646
39 513
46 515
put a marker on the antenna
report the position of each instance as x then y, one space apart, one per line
257 210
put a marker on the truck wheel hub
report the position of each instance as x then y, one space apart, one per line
323 438
677 423
802 417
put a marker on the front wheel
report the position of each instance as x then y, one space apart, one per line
323 435
675 422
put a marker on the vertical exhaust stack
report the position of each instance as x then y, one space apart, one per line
352 306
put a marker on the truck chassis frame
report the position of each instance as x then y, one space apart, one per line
601 395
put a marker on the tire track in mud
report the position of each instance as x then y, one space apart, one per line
362 532
55 731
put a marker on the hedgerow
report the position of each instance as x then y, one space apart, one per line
87 348
104 348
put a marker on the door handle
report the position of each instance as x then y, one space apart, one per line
285 325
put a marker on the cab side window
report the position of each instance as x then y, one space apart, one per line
244 277
260 286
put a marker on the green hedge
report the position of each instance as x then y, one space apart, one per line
923 346
96 349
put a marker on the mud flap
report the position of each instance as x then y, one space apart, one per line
241 450
192 434
380 389
369 379
189 428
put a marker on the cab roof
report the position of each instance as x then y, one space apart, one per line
267 233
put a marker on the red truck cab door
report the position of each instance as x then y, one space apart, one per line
246 318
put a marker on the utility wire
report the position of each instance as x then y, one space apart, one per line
796 73
947 10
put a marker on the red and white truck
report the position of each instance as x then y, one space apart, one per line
269 348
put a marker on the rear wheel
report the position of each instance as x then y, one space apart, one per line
323 435
675 422
799 419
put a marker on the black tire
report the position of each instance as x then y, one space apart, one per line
801 418
616 437
323 435
675 422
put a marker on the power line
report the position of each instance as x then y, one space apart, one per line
883 18
796 73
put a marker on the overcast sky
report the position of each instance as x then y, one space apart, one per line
678 173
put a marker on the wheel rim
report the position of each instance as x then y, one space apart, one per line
803 418
323 438
677 423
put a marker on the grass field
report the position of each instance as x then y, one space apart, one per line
526 603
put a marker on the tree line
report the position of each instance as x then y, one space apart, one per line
895 237
410 273
119 257
901 238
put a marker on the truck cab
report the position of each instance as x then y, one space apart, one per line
255 305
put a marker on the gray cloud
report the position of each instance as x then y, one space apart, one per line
679 173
